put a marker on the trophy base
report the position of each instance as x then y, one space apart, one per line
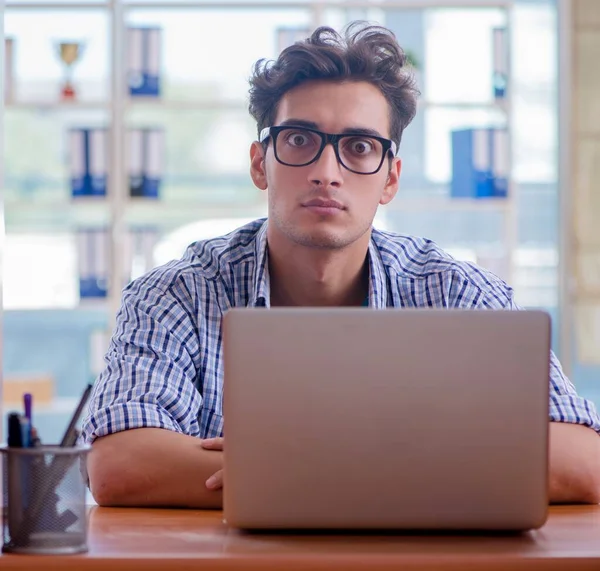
68 92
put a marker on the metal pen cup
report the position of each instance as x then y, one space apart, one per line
44 500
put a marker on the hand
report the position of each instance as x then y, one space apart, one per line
215 482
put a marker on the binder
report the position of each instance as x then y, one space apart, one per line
146 161
93 262
98 164
480 163
154 143
135 56
78 161
152 49
144 61
136 161
101 262
500 162
500 62
471 164
84 257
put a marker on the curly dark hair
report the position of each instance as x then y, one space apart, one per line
363 53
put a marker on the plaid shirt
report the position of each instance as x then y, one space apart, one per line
164 366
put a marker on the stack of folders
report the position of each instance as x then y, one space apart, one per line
93 254
88 158
480 163
500 51
146 160
144 61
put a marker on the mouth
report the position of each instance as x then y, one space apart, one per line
323 206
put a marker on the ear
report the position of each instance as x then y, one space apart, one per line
257 165
391 184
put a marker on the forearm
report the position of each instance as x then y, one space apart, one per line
574 464
153 467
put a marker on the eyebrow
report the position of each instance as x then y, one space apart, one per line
347 131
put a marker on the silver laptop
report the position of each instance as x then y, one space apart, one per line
351 418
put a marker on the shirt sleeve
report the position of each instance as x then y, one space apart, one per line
149 378
484 290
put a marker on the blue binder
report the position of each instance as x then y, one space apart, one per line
144 47
500 62
78 161
480 163
93 253
146 161
471 165
88 150
500 162
153 162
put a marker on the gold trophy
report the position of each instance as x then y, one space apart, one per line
69 52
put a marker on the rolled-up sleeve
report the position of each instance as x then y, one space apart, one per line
149 378
565 404
483 290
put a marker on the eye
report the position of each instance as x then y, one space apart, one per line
360 146
297 139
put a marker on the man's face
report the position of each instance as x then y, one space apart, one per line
295 193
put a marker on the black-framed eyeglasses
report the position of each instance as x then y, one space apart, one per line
302 146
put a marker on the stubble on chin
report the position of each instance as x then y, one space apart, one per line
318 238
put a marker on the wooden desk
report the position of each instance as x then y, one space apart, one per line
122 539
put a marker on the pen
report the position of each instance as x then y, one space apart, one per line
25 431
70 436
15 434
28 407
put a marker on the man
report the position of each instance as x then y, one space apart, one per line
330 114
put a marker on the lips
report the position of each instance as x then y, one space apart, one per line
322 203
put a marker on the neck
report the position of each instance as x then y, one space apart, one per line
301 276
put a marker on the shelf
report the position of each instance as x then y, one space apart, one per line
56 105
162 209
495 105
216 104
265 4
60 215
40 5
434 203
160 213
191 105
291 4
242 105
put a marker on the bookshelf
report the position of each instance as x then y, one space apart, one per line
119 211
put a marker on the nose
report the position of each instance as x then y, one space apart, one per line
326 170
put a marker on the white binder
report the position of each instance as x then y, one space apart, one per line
77 162
135 59
153 161
98 152
136 161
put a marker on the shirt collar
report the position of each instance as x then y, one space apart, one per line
261 288
378 291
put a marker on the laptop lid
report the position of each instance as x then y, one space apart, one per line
401 418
